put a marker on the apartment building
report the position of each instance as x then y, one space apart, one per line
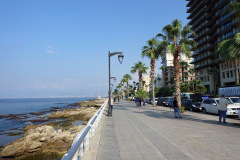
211 26
146 86
168 73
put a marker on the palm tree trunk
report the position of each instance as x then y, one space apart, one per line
127 91
182 75
152 79
140 80
176 77
236 72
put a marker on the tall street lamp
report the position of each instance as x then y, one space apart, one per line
120 58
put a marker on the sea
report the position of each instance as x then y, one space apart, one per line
15 114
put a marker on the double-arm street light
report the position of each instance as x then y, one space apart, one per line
120 58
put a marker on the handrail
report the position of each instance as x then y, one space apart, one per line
81 141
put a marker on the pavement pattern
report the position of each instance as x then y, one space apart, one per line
152 133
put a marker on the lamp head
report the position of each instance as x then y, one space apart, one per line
120 58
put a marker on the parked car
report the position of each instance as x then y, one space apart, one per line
156 99
170 102
211 105
160 101
192 105
166 101
234 100
148 100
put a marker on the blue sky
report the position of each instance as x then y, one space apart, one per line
59 48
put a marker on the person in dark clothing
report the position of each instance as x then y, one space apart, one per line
176 109
140 101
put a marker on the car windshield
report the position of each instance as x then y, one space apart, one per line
235 100
229 102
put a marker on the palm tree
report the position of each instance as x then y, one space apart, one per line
126 79
182 65
214 71
178 42
229 51
141 94
153 52
141 69
163 75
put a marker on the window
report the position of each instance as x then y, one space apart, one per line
227 74
231 73
207 101
223 74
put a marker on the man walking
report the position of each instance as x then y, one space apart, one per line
222 108
111 107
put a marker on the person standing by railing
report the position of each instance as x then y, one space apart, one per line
111 107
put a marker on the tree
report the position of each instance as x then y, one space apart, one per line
214 71
141 69
229 51
163 75
178 42
126 79
141 94
153 52
182 65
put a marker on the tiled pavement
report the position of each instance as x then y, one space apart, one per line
147 133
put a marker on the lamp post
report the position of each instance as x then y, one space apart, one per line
120 58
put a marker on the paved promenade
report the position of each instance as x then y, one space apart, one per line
147 133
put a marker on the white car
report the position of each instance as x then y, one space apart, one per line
234 100
151 101
211 105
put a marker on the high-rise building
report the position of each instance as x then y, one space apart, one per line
212 26
168 72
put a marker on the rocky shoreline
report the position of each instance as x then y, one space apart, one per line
53 138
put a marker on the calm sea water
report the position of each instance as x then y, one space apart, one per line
26 106
19 106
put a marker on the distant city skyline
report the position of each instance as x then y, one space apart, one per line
59 48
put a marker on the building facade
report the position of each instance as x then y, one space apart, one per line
147 81
168 72
212 26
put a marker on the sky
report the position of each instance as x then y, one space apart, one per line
59 48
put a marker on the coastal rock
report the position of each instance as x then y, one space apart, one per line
44 139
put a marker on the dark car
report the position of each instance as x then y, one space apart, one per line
160 101
192 105
166 101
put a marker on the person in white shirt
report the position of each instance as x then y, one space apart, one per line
222 108
110 107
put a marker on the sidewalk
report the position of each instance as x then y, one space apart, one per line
147 133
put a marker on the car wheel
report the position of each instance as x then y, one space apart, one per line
204 111
191 109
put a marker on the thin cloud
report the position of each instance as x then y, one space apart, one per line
50 50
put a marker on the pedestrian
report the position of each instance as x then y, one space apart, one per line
140 102
137 100
222 108
144 102
110 107
114 99
176 108
118 98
